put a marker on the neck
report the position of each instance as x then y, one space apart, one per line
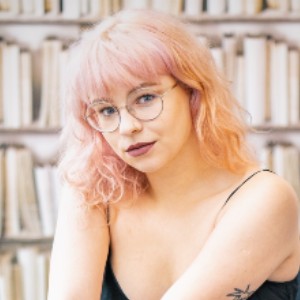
185 177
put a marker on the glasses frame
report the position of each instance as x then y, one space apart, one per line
86 117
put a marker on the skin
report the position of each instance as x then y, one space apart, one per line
176 242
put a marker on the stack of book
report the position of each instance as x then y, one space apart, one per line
28 195
284 160
72 9
24 274
264 73
18 108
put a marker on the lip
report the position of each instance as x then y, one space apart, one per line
139 149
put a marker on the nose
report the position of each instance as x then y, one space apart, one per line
128 123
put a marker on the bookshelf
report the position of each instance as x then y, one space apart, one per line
30 31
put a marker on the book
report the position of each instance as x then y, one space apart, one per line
193 7
49 106
39 7
26 7
279 5
63 60
236 7
2 189
56 189
255 56
71 9
27 259
12 225
54 103
229 45
136 4
45 199
115 5
26 93
295 5
84 7
294 86
216 7
11 86
2 45
95 8
168 6
6 276
280 94
55 7
29 213
14 6
219 58
42 261
253 7
238 87
286 162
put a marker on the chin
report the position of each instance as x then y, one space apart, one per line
146 167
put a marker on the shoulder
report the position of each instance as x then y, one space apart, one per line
266 206
265 191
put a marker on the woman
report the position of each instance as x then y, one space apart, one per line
162 197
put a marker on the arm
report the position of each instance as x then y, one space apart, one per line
254 236
79 251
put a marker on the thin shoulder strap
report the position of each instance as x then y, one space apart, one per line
240 185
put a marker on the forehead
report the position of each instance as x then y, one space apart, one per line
123 92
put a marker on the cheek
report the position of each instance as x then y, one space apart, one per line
109 144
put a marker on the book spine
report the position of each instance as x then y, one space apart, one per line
216 7
294 86
236 7
193 7
255 78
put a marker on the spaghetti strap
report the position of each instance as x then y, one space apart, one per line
239 186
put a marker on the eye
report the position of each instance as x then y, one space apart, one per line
146 99
103 109
107 111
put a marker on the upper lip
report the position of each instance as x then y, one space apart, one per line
137 145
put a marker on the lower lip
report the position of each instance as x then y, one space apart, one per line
140 151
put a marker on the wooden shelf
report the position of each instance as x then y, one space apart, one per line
25 241
29 130
273 128
261 18
13 244
265 16
46 19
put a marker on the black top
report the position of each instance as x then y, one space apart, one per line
269 290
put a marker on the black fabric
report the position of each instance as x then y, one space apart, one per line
111 289
276 291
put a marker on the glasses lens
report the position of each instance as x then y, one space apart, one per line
145 105
103 116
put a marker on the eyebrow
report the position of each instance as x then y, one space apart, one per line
133 90
141 86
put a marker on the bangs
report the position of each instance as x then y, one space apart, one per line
122 61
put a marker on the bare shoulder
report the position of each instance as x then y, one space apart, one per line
267 192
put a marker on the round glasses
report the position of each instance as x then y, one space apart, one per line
144 104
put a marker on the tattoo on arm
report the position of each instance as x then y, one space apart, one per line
239 294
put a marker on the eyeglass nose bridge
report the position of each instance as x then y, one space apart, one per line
128 110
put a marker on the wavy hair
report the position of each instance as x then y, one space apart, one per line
120 50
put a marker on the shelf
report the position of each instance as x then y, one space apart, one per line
259 18
25 241
46 19
273 128
29 130
265 16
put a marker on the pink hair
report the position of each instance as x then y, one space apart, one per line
134 45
